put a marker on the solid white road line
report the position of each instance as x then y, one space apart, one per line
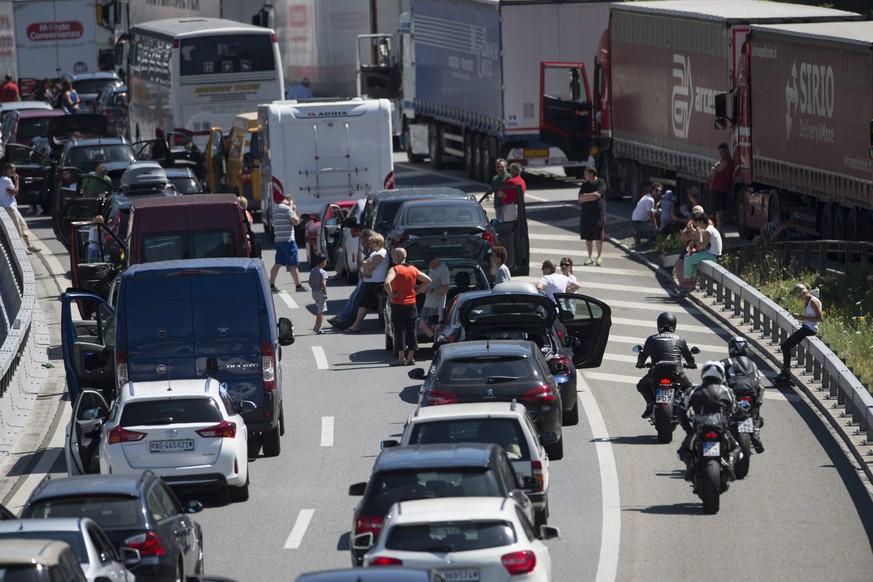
327 431
320 358
610 533
769 393
287 300
299 529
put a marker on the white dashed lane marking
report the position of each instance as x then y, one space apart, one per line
320 358
327 431
287 300
299 529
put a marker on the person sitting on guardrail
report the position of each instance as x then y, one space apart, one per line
708 245
810 319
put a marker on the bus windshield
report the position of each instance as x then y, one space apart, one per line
226 54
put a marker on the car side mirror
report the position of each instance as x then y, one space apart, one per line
638 348
129 557
721 117
358 488
416 374
193 506
549 532
363 541
390 443
286 331
495 222
244 406
695 350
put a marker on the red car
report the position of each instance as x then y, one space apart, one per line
22 126
324 230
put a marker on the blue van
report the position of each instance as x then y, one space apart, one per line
186 319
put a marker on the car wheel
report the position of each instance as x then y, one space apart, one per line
556 450
272 443
239 494
541 517
254 445
571 417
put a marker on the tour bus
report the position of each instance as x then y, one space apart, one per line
188 75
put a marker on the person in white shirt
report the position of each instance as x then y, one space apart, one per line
498 264
708 241
553 282
435 296
8 192
643 217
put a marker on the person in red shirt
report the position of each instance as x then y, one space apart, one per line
402 284
512 190
722 183
9 91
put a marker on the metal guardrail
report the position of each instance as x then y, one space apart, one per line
18 298
765 316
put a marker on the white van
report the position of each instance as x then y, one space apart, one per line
323 151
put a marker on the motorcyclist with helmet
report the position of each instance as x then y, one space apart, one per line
711 396
741 376
664 346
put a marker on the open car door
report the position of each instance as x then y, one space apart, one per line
588 320
176 150
566 120
215 162
88 345
83 204
33 169
329 235
97 257
82 442
513 236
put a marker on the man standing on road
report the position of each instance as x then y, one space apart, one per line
592 214
284 220
512 193
8 192
301 91
496 182
9 91
722 184
435 299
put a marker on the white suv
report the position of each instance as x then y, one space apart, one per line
504 423
488 539
187 431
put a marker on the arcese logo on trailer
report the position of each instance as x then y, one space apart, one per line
54 31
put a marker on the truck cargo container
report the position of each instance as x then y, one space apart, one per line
659 69
54 37
481 79
808 112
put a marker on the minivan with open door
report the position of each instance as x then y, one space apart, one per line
513 236
84 433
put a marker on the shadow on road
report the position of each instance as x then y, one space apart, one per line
643 439
410 394
675 509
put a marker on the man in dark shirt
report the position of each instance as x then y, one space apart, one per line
592 216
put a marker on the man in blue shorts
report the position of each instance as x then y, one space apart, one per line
284 220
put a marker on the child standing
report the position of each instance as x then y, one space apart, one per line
318 285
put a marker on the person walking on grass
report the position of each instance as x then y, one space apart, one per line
284 220
402 283
318 286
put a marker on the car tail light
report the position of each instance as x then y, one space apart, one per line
67 177
559 365
223 430
522 562
710 436
368 524
487 236
268 366
436 397
665 381
542 393
147 544
538 477
384 561
121 373
122 435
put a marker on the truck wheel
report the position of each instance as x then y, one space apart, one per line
414 158
433 147
470 166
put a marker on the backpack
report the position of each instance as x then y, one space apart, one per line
741 375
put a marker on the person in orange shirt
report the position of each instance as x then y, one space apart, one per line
402 284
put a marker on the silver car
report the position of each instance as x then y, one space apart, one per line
95 553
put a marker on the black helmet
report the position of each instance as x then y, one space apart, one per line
666 322
737 346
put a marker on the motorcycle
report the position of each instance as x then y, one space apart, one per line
744 427
711 471
667 391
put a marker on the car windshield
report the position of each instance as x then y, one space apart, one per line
485 370
502 309
192 244
71 538
506 432
450 536
459 213
109 511
174 411
186 185
89 157
389 487
91 85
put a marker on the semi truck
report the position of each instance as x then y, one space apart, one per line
804 102
659 68
481 79
322 151
54 37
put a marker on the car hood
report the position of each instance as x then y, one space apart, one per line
499 309
64 127
447 246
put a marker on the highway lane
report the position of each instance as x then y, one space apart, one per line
801 514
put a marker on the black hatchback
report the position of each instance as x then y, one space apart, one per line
135 511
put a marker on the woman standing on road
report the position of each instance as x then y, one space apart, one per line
402 283
374 269
811 317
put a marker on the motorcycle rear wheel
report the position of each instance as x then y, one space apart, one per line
664 422
742 467
710 486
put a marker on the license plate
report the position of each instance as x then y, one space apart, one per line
174 446
535 153
746 425
664 396
459 575
711 449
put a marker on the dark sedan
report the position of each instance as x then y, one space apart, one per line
135 511
486 370
570 335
